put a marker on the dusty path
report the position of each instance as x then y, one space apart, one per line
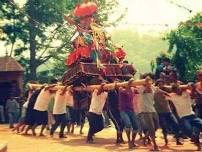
104 142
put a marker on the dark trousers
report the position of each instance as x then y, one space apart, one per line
73 115
188 123
82 113
198 110
60 119
95 124
166 120
116 119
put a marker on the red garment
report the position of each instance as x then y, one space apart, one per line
85 9
120 53
70 58
83 52
77 54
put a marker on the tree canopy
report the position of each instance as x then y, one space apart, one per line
185 46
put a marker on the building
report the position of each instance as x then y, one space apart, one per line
11 77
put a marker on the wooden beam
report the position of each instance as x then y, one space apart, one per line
90 88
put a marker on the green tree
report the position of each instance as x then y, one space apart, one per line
37 31
186 47
27 30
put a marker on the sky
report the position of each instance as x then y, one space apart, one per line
163 12
144 15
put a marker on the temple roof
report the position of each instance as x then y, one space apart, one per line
8 63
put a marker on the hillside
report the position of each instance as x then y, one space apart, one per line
141 49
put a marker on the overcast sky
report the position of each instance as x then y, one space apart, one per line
149 12
158 12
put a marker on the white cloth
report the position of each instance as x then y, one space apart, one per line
97 102
60 103
183 103
69 99
43 100
25 105
146 103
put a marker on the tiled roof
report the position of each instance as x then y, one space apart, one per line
9 64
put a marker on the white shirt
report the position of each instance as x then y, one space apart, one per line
146 100
69 99
43 100
60 103
25 105
97 102
182 104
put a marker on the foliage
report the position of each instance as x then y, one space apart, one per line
186 47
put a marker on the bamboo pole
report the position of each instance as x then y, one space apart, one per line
183 86
90 88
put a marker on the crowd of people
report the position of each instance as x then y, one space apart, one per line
137 110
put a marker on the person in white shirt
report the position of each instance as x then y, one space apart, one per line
182 102
41 108
96 124
149 116
59 112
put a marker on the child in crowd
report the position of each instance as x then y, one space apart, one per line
13 110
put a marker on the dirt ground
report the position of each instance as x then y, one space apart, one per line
104 142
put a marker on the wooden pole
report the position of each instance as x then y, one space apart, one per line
90 88
109 86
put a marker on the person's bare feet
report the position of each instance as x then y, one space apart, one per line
42 134
198 146
89 141
18 131
134 145
25 133
130 145
62 136
179 143
156 148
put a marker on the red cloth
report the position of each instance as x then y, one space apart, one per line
77 54
85 9
70 58
120 53
83 52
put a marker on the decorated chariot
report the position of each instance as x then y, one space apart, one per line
93 55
